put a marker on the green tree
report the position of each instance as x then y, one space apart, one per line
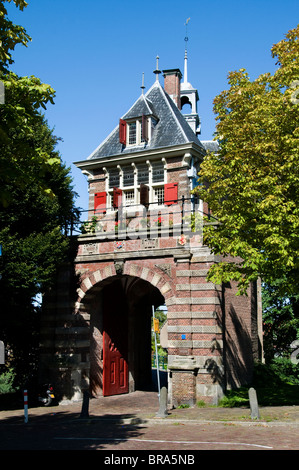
34 243
19 114
281 320
36 203
252 183
10 34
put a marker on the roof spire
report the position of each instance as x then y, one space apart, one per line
142 86
186 58
157 71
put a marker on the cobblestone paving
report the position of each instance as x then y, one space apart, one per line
129 423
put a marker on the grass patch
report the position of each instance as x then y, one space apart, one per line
285 395
276 384
235 398
201 404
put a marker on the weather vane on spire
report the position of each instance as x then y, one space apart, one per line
185 61
186 37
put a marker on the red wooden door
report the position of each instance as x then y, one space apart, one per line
115 377
115 342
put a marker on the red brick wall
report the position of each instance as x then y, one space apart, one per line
183 388
239 319
172 87
203 326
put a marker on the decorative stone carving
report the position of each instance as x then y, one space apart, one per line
166 268
149 243
119 267
90 248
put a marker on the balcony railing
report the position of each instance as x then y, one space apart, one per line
150 221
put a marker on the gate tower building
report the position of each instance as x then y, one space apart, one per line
137 253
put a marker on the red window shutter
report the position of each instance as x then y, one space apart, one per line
170 193
100 201
144 128
117 196
122 131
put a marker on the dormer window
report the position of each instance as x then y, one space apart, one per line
132 132
136 131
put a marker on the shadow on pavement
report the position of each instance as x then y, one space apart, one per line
66 430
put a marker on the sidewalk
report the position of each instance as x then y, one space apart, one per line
130 423
143 407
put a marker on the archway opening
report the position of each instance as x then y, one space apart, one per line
121 310
186 106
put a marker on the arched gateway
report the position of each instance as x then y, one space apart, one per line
138 251
120 310
96 323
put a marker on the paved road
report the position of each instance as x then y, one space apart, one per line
129 423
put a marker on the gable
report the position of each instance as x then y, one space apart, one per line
141 107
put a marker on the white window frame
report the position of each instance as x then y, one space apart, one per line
129 200
158 187
138 140
136 187
151 123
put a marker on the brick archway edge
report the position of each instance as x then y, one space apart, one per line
155 276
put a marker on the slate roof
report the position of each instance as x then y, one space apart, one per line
210 145
172 129
141 106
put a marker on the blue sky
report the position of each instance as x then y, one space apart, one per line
93 53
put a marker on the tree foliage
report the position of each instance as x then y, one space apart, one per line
10 34
252 183
36 201
281 320
20 113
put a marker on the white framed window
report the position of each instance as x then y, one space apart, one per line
132 133
158 172
135 132
142 174
114 178
130 178
158 195
129 197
